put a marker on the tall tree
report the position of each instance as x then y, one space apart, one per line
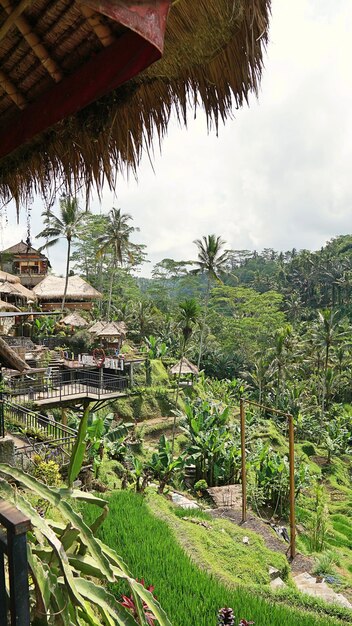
64 226
212 261
116 239
187 317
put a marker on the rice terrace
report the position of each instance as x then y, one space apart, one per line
175 313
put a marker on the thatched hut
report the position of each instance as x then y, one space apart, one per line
87 85
185 369
111 334
75 320
9 278
79 295
97 327
6 307
12 291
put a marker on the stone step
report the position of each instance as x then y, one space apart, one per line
308 584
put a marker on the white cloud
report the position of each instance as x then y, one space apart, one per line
279 174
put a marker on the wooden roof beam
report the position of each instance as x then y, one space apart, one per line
10 22
101 30
10 89
33 41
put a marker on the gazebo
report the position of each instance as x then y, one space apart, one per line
86 86
75 320
111 334
184 368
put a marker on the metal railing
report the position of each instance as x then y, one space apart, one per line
55 441
80 383
58 450
13 559
31 419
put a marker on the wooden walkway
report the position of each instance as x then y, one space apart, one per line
67 393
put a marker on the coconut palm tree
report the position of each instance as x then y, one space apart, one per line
64 226
116 239
188 314
212 261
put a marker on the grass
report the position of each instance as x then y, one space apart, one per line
190 596
218 546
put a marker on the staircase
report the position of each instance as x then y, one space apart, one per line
53 368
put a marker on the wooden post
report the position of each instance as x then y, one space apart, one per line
64 416
243 461
292 487
131 375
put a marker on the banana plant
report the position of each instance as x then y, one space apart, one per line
68 565
162 465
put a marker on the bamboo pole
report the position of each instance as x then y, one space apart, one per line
101 30
11 91
292 488
11 20
243 461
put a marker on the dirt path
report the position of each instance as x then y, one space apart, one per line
300 563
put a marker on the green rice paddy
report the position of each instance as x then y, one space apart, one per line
189 595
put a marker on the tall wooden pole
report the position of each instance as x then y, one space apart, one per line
292 487
243 461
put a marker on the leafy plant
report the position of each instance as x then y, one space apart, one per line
226 617
47 471
129 603
269 470
318 525
68 565
213 446
162 465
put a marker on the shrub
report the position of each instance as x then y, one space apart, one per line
47 472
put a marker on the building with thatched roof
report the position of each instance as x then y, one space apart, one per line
75 320
112 329
114 69
110 334
11 290
184 367
80 294
7 307
30 265
97 327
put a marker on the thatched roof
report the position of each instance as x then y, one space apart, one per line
10 278
52 287
112 329
6 306
16 289
74 319
186 368
97 327
22 248
9 358
213 57
102 328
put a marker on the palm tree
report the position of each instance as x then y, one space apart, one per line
211 261
187 318
117 240
64 226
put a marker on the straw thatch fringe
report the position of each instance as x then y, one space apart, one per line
213 59
54 286
186 368
75 320
7 307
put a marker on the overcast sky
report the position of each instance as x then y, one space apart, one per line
278 175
